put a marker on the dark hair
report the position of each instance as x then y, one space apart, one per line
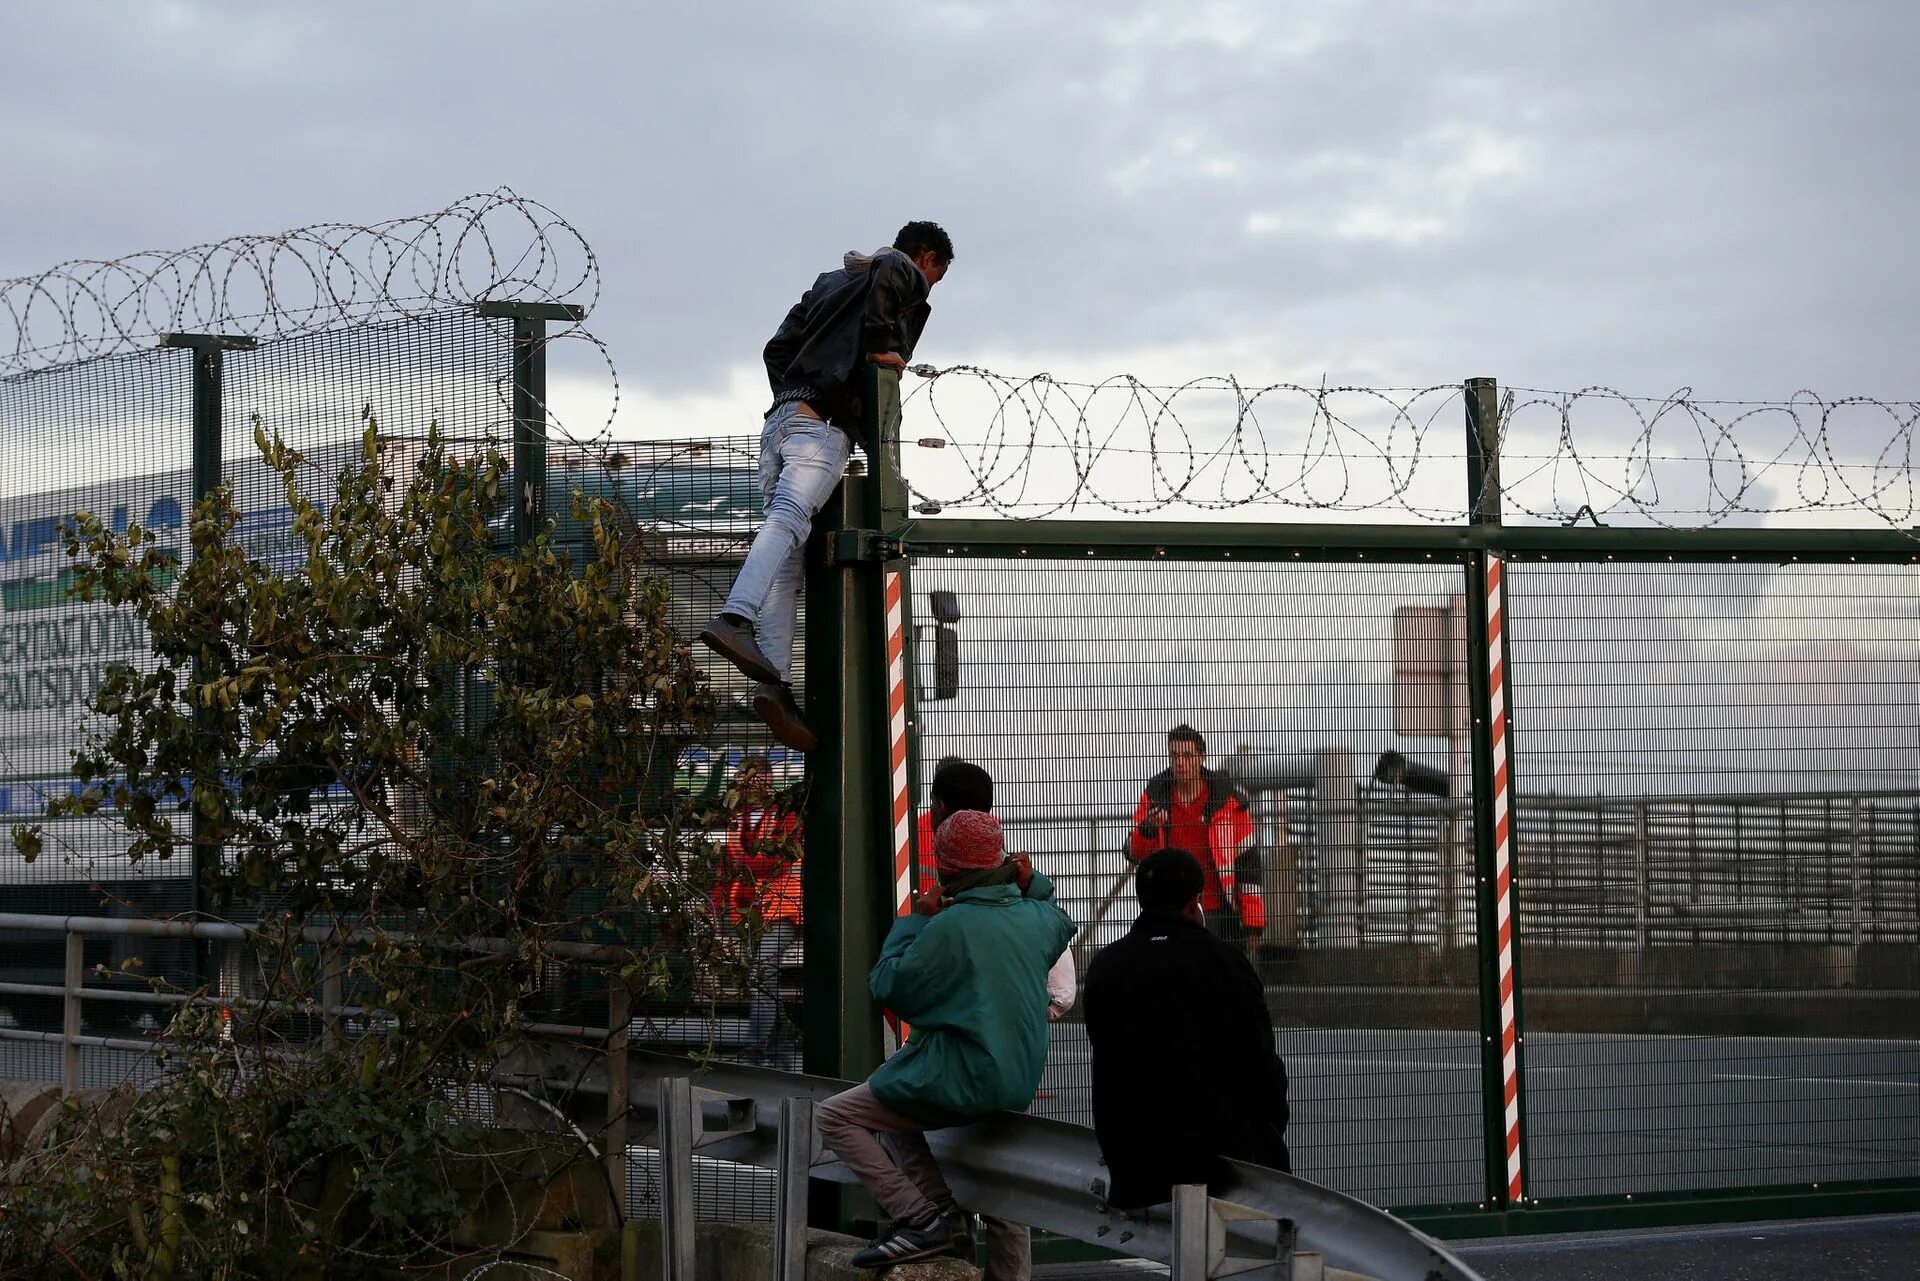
1168 880
962 785
1184 733
917 237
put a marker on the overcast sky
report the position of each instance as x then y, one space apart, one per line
1642 195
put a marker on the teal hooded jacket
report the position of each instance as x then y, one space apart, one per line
972 984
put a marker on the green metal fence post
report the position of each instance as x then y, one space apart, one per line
529 479
849 906
1495 884
529 406
835 1009
843 877
208 468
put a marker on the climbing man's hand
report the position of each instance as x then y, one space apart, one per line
1022 870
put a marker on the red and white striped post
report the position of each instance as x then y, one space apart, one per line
1503 866
897 745
901 794
1493 808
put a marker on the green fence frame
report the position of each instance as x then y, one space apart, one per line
849 865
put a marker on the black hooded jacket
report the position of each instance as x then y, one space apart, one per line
871 304
1184 1067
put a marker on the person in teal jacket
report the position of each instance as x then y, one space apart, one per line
967 971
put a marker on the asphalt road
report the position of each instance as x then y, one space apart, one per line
1879 1248
1394 1117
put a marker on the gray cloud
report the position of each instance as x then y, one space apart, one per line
1634 194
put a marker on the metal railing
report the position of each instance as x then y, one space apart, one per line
1027 1169
330 1007
1831 868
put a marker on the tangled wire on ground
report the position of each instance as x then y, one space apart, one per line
1031 446
492 245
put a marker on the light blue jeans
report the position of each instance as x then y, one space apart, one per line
801 460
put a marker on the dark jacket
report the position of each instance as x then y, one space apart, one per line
819 353
1230 848
1184 1068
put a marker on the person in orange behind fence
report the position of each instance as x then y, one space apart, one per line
1188 806
763 876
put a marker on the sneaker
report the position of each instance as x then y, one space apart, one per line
773 703
731 637
907 1243
959 1225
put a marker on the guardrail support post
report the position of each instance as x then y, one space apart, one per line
677 1123
793 1163
619 1019
70 1027
1189 1262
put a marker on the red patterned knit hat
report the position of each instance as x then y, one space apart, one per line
968 841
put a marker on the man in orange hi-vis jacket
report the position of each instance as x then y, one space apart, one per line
1188 806
763 847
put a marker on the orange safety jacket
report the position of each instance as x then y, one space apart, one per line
762 867
1229 819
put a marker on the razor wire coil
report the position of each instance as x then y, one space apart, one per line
329 275
1029 446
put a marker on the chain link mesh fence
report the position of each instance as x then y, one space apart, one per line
1718 810
1071 674
1716 843
108 436
115 436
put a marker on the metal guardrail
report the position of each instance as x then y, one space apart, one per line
1045 1173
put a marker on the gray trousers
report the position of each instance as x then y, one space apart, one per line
889 1154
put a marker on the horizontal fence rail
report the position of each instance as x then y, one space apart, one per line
1829 868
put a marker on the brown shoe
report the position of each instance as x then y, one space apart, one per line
773 703
732 639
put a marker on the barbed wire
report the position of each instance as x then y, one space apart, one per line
1030 446
491 245
1750 457
1037 445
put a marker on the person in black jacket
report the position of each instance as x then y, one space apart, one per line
1185 1074
870 311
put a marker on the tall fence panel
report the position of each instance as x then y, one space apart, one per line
1719 782
1074 665
110 437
